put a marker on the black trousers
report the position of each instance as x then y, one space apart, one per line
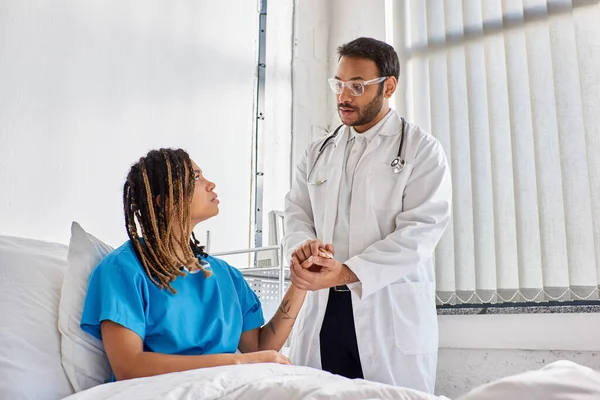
339 349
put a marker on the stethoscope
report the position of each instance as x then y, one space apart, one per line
397 163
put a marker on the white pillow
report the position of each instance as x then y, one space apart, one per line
31 275
559 380
83 356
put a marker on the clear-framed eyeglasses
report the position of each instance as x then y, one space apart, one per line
356 88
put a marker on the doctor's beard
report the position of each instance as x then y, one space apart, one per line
365 114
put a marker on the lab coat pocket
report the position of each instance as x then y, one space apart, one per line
387 188
414 317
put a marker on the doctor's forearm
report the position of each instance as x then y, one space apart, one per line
348 276
274 334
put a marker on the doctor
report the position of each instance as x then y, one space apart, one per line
376 195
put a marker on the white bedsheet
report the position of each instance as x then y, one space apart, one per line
247 382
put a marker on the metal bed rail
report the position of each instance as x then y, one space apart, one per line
280 261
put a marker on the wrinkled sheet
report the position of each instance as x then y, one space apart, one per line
247 382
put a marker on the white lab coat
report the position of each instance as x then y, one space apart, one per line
396 220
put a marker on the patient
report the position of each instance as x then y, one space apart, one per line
159 303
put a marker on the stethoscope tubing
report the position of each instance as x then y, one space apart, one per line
397 163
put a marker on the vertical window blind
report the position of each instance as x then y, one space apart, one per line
511 88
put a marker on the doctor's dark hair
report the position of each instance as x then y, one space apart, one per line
381 53
157 199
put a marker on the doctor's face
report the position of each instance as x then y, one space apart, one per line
359 111
205 204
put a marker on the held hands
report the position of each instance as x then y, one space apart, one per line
313 267
267 356
312 248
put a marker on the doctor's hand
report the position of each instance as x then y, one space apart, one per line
312 248
330 273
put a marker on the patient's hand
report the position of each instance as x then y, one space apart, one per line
330 273
304 254
310 264
267 356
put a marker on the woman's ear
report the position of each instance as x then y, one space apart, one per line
157 201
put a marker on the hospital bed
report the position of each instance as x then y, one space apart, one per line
42 356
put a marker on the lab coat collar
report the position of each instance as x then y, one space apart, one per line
390 125
370 134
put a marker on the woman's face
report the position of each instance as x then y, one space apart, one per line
205 204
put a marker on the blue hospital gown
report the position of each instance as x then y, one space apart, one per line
206 316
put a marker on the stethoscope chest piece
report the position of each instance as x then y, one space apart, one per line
398 165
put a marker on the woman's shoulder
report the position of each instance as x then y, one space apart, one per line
123 257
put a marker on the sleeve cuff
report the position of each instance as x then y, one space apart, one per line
253 321
366 281
93 328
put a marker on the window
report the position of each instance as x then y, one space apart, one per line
511 89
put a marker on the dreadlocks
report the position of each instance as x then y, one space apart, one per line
157 196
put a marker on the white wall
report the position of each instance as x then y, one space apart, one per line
310 73
277 145
88 87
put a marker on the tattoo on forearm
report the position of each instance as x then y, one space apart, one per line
272 327
284 308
